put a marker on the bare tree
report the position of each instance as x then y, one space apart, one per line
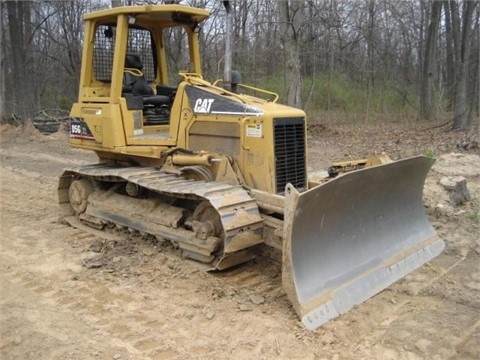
475 88
370 38
388 52
461 31
426 95
289 18
3 62
19 29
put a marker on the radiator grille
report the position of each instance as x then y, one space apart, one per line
290 158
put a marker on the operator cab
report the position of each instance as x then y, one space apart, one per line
137 54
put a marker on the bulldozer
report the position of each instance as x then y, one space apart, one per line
218 168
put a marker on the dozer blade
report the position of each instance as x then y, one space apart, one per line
350 238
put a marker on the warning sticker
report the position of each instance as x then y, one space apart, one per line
254 130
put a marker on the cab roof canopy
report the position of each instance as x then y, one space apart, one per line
164 15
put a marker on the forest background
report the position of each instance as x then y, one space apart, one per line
340 60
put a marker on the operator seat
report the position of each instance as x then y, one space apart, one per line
135 80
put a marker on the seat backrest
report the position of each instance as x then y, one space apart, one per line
135 79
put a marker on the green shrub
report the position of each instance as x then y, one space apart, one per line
474 215
338 93
429 153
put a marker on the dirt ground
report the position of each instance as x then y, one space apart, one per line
69 294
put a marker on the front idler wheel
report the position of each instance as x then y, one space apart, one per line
78 193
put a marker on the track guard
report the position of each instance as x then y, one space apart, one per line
352 237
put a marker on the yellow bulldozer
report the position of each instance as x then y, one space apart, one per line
218 170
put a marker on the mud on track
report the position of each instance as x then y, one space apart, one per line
69 294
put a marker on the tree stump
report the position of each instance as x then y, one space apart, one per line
457 189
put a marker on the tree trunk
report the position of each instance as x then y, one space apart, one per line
474 91
289 14
475 108
426 95
227 69
370 55
421 43
462 41
3 64
18 16
450 66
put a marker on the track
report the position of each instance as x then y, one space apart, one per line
239 219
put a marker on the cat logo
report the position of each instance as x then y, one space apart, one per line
203 106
